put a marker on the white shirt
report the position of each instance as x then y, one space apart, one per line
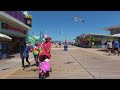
109 44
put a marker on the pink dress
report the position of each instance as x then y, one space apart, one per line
44 66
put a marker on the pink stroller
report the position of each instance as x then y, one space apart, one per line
44 66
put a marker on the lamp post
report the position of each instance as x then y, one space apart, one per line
41 37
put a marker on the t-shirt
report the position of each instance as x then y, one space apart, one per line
26 51
109 45
65 44
35 50
46 46
116 44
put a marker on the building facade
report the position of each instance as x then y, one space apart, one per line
16 25
32 39
87 40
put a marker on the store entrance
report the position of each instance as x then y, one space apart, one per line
14 46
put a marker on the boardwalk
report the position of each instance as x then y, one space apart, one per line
76 63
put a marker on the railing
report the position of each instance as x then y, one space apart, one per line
17 14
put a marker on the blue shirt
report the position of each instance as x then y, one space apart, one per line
116 44
26 51
22 47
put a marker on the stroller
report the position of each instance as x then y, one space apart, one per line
65 48
44 66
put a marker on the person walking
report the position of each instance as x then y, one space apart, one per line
24 53
109 45
46 45
116 47
36 51
106 46
65 46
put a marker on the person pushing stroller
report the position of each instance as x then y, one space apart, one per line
65 46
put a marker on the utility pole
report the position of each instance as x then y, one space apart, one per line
41 37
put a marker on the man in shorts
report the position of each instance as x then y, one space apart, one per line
109 45
116 47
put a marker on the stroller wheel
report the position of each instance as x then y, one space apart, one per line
41 76
47 74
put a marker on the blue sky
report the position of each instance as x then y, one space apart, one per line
54 22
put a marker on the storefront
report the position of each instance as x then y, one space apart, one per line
4 39
94 40
17 35
15 25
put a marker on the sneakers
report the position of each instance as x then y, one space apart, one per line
29 64
22 68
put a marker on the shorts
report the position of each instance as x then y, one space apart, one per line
110 48
115 48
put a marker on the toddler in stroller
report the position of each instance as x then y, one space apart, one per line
44 66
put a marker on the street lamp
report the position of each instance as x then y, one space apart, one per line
41 37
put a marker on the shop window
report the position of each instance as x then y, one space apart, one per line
97 43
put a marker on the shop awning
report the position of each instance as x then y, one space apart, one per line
117 35
4 37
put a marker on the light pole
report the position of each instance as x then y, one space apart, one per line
41 37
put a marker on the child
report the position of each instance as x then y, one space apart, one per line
44 66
